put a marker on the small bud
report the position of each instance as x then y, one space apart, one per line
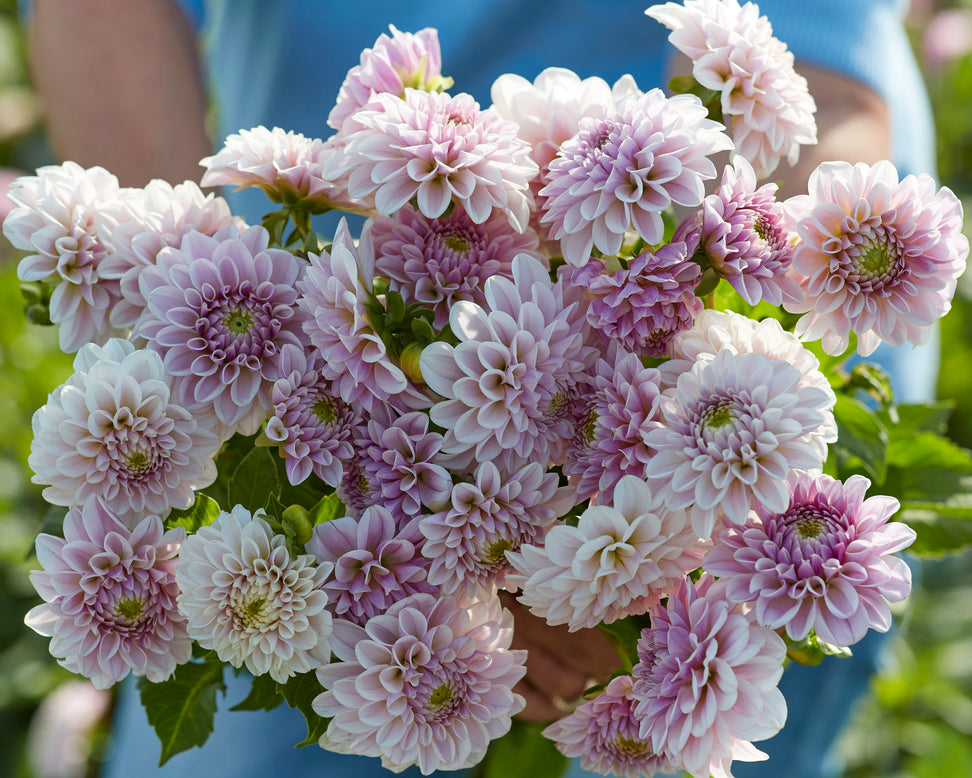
409 362
296 523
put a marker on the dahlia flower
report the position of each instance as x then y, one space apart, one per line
311 424
824 563
466 542
764 100
219 310
56 220
508 382
706 682
159 215
876 256
717 331
617 561
605 734
404 60
734 428
642 307
333 294
427 683
372 563
436 149
245 597
110 597
742 235
624 167
114 433
437 262
619 410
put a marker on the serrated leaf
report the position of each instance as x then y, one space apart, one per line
202 513
523 753
264 695
902 421
299 692
254 480
181 709
327 508
928 467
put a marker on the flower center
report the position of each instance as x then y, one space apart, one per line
324 410
441 696
129 608
630 746
495 552
875 260
456 243
238 322
250 611
137 461
717 417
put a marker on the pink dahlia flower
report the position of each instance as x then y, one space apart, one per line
764 100
437 262
159 215
876 256
114 433
334 293
373 564
437 149
717 331
624 167
247 599
734 428
58 221
824 563
620 408
405 60
605 734
110 597
508 381
311 424
706 682
642 307
617 561
219 310
427 683
466 542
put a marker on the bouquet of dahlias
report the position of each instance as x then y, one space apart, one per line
321 460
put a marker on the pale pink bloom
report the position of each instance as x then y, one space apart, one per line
437 262
114 433
248 600
717 331
404 60
764 100
643 306
334 293
488 515
110 597
706 682
219 310
619 559
947 37
734 428
159 215
56 221
64 730
605 734
427 683
437 149
373 563
824 563
876 257
626 165
507 384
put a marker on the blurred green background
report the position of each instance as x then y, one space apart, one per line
916 724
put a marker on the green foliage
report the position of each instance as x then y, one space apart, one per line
522 753
299 692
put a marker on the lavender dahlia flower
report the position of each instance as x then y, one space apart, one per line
219 310
114 433
824 563
605 734
110 597
876 257
624 167
427 683
706 682
642 307
245 597
617 561
734 428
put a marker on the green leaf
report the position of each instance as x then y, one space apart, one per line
299 692
927 467
940 530
522 753
254 480
623 635
202 513
181 709
264 695
862 440
327 508
903 421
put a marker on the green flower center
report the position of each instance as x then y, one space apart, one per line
238 322
495 552
325 410
631 746
440 697
129 608
809 527
456 243
875 260
251 610
718 417
137 460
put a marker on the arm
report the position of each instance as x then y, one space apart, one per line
121 85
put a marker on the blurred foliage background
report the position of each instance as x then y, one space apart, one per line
916 724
